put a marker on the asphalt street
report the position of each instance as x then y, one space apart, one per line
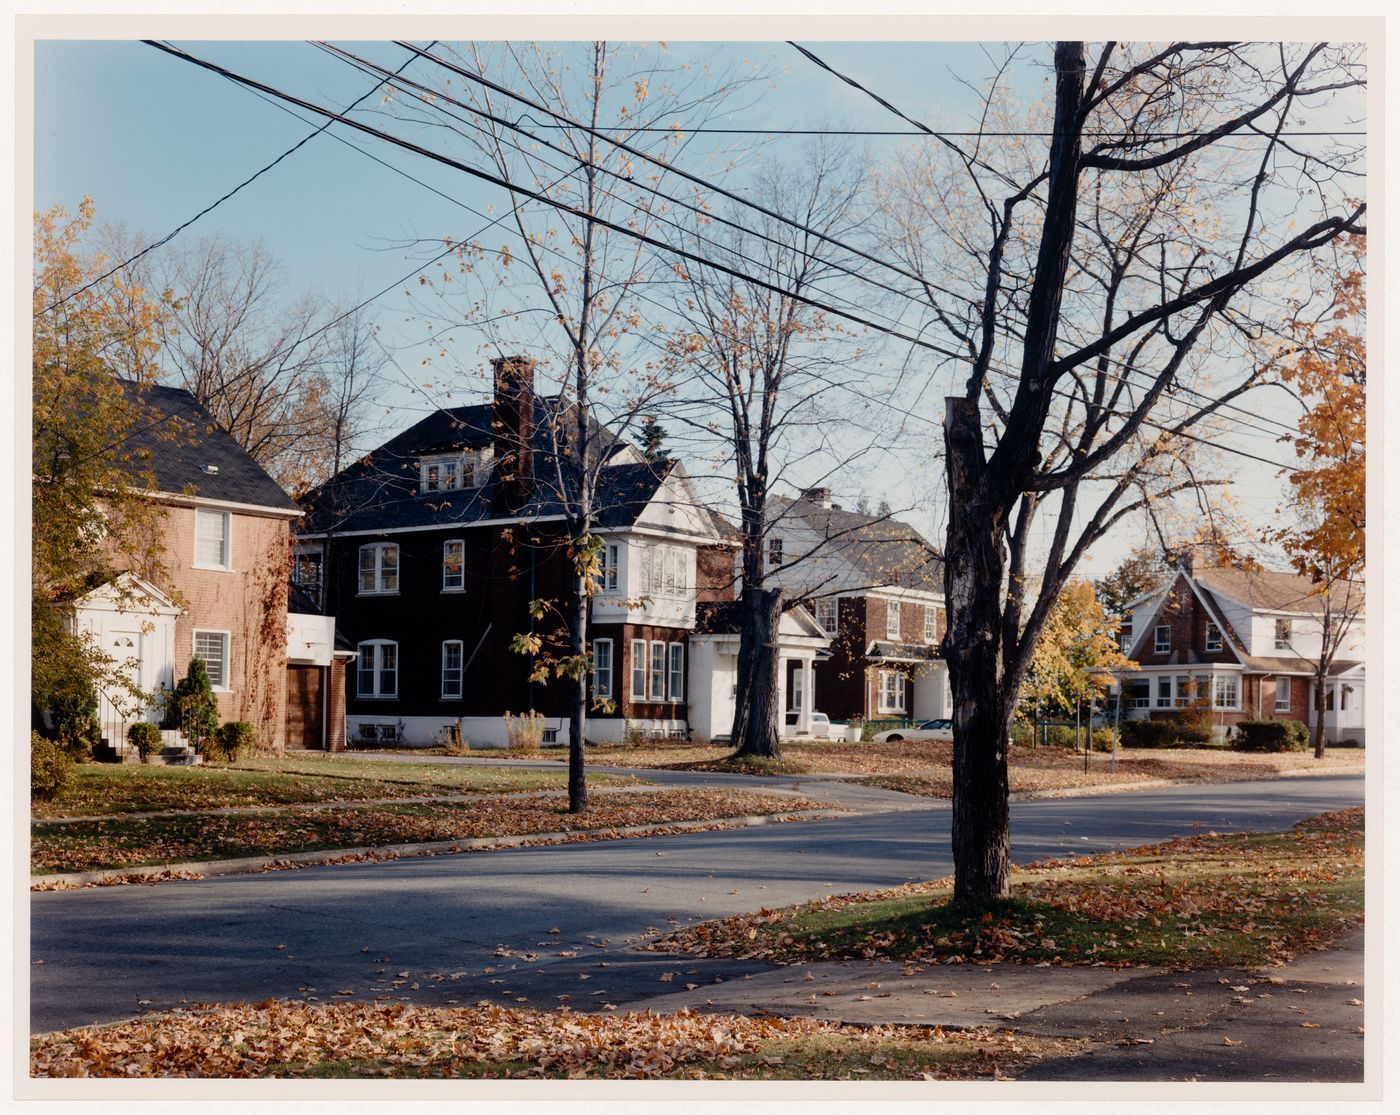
551 925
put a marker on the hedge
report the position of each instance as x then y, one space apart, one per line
1271 735
50 768
1151 733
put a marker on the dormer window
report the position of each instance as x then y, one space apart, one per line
450 472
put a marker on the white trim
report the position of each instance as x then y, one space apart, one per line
442 671
455 524
632 659
227 670
378 548
671 672
462 566
377 670
599 691
227 517
652 647
184 499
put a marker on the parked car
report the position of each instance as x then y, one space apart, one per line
922 729
820 725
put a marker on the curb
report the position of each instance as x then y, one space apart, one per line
253 865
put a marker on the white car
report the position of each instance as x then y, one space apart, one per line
922 729
819 725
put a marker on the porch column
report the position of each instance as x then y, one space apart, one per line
782 696
804 712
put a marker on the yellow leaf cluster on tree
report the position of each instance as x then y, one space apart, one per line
1076 654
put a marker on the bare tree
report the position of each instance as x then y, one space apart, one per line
1096 284
760 362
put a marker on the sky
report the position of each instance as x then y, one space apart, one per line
153 140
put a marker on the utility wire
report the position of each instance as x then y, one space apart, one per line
214 205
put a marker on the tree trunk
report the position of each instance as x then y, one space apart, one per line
756 711
974 562
578 695
1319 737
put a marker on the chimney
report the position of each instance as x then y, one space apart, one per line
820 496
513 420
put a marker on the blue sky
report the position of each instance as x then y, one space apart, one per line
153 140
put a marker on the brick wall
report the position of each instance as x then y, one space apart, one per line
714 574
1182 612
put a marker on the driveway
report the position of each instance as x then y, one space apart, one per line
553 925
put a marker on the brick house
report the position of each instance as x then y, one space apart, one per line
1245 644
875 588
222 582
430 550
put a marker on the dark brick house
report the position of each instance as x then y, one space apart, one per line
430 550
875 586
1243 644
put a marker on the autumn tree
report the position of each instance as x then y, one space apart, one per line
1076 656
760 361
90 514
1140 572
1325 535
1106 289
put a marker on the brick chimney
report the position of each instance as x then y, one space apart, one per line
513 420
820 496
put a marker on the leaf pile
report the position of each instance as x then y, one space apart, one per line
1198 901
139 841
279 1038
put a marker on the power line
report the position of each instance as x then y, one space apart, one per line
620 229
960 134
214 205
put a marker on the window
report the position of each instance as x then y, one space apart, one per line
639 670
379 568
658 671
891 691
643 569
669 561
930 624
892 619
775 551
1164 692
1125 638
602 667
306 573
212 646
1283 634
1139 693
608 572
1183 691
1227 692
828 611
677 689
1283 694
378 673
451 669
683 558
1162 640
211 539
453 565
658 571
795 690
440 474
1213 640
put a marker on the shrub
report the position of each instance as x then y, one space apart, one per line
524 733
75 719
196 710
1150 733
1103 739
144 737
1271 735
232 740
50 768
1021 734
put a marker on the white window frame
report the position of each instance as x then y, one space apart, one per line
1215 638
461 545
1287 683
658 572
377 670
222 685
828 614
930 623
309 559
460 670
1133 699
612 552
602 667
379 549
1283 634
656 672
1161 644
669 564
675 680
892 624
1162 699
1125 637
898 694
226 543
1226 679
1182 693
775 551
637 667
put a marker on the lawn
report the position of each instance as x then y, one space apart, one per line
126 842
289 1039
925 766
111 788
1203 901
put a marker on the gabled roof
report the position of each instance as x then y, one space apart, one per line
184 442
901 652
381 491
1267 591
1188 656
723 617
884 551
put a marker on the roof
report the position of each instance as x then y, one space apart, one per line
886 551
381 491
1266 591
724 617
898 652
182 438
